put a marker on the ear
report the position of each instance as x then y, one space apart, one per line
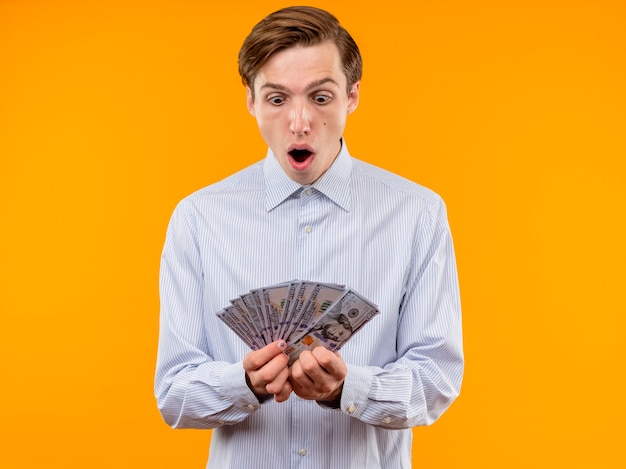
250 101
353 97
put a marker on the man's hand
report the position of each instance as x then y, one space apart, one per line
267 372
318 375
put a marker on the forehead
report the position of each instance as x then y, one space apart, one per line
298 66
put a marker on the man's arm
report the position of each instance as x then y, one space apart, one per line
193 390
426 377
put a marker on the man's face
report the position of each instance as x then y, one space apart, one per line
301 106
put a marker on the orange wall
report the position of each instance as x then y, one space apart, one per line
514 111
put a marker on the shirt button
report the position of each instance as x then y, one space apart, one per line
386 420
251 406
351 408
307 229
302 452
309 191
221 422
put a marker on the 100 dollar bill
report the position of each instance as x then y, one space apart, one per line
336 326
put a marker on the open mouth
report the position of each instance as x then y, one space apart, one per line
300 155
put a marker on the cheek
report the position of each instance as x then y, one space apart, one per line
337 122
270 121
264 124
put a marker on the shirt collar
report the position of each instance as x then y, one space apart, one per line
334 183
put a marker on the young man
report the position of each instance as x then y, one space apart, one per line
310 212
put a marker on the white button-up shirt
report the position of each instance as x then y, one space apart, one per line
358 225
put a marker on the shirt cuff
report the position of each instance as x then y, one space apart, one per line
356 389
236 390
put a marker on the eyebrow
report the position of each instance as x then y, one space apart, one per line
310 86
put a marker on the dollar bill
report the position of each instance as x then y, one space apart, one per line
246 302
230 316
274 299
336 325
242 316
257 299
302 293
321 297
303 313
290 299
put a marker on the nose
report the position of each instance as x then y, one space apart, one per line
300 120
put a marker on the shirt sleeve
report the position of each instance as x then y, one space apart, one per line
192 390
426 377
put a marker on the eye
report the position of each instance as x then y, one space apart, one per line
322 98
276 100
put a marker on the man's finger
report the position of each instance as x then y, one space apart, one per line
331 362
258 358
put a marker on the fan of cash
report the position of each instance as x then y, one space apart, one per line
304 314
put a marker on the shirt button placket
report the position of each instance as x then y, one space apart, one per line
306 197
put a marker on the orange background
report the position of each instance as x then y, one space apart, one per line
112 111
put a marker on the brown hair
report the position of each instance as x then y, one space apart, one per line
297 26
